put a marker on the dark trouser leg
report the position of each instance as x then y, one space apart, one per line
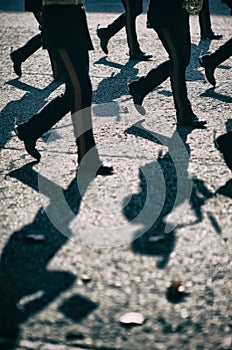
204 19
77 97
176 41
47 117
76 66
29 48
133 9
154 78
115 26
33 44
220 55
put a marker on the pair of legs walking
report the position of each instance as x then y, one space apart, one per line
133 8
175 37
21 54
74 66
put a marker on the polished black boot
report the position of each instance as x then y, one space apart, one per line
212 36
29 142
190 119
209 69
104 38
15 58
140 56
20 55
137 96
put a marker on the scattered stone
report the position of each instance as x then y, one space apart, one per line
85 278
132 318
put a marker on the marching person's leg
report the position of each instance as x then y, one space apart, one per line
206 31
133 9
108 32
175 37
211 61
80 88
21 54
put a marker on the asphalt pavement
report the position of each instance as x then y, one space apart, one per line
80 254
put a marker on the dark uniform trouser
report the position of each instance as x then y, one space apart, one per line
74 67
34 44
204 19
221 54
31 46
133 8
175 37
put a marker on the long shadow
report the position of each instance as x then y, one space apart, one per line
200 195
27 286
193 73
115 86
21 110
226 190
155 240
217 96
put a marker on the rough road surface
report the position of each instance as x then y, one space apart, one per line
77 256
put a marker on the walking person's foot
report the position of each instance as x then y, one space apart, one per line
209 70
140 56
212 36
29 143
102 35
16 63
190 119
137 97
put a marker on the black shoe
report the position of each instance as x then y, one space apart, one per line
191 120
102 169
224 144
101 33
212 36
17 63
105 169
29 143
209 70
140 56
137 97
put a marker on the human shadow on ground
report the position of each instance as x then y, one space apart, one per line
217 96
155 240
226 190
193 73
27 286
18 111
178 188
113 87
